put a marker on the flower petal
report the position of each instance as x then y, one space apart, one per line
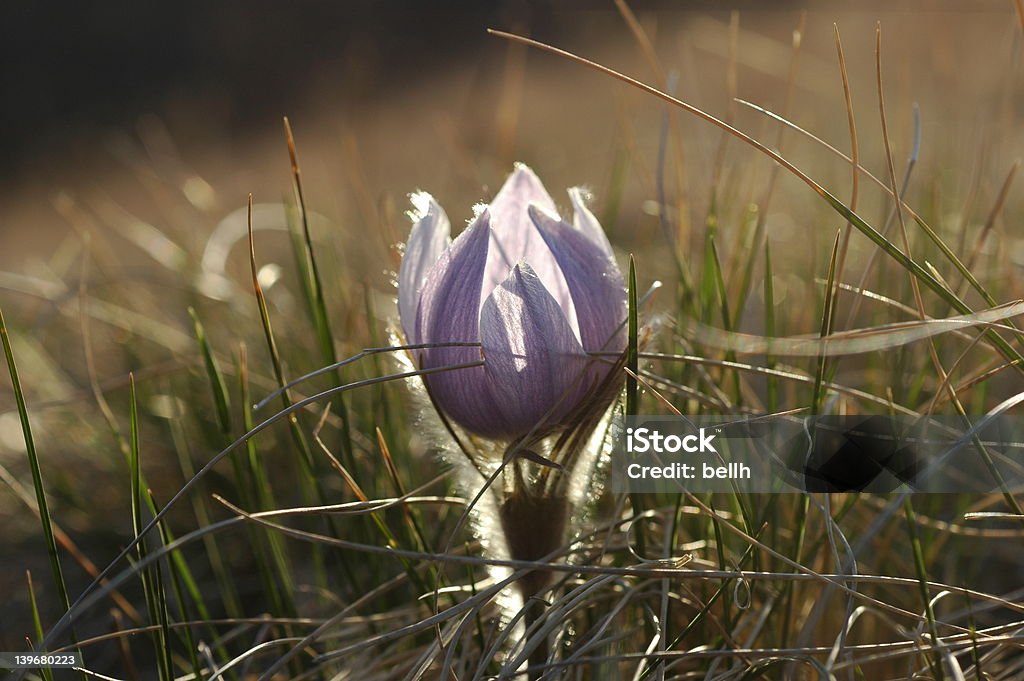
449 311
515 240
429 238
586 222
533 360
594 281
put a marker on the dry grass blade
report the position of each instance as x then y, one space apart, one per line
990 222
850 342
854 153
905 261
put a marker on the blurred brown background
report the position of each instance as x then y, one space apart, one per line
387 96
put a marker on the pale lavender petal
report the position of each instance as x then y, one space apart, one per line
534 362
514 239
429 238
594 280
449 312
586 222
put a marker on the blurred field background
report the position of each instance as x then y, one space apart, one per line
133 136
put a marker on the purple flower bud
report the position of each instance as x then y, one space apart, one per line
536 292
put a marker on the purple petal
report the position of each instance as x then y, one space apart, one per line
586 222
514 239
449 311
594 280
427 241
534 362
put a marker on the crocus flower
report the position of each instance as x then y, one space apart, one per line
537 293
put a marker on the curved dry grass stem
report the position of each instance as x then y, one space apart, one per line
990 221
803 573
854 153
364 353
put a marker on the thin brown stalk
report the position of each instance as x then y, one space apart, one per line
854 153
651 56
993 214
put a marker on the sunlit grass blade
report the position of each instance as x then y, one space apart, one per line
632 387
310 482
632 351
827 321
33 461
275 358
313 285
218 388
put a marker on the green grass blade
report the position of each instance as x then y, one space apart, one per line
719 283
33 461
37 621
179 597
147 576
226 585
716 528
789 589
922 577
298 435
770 328
219 389
314 285
166 668
715 263
827 322
310 484
632 352
281 582
632 386
134 466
